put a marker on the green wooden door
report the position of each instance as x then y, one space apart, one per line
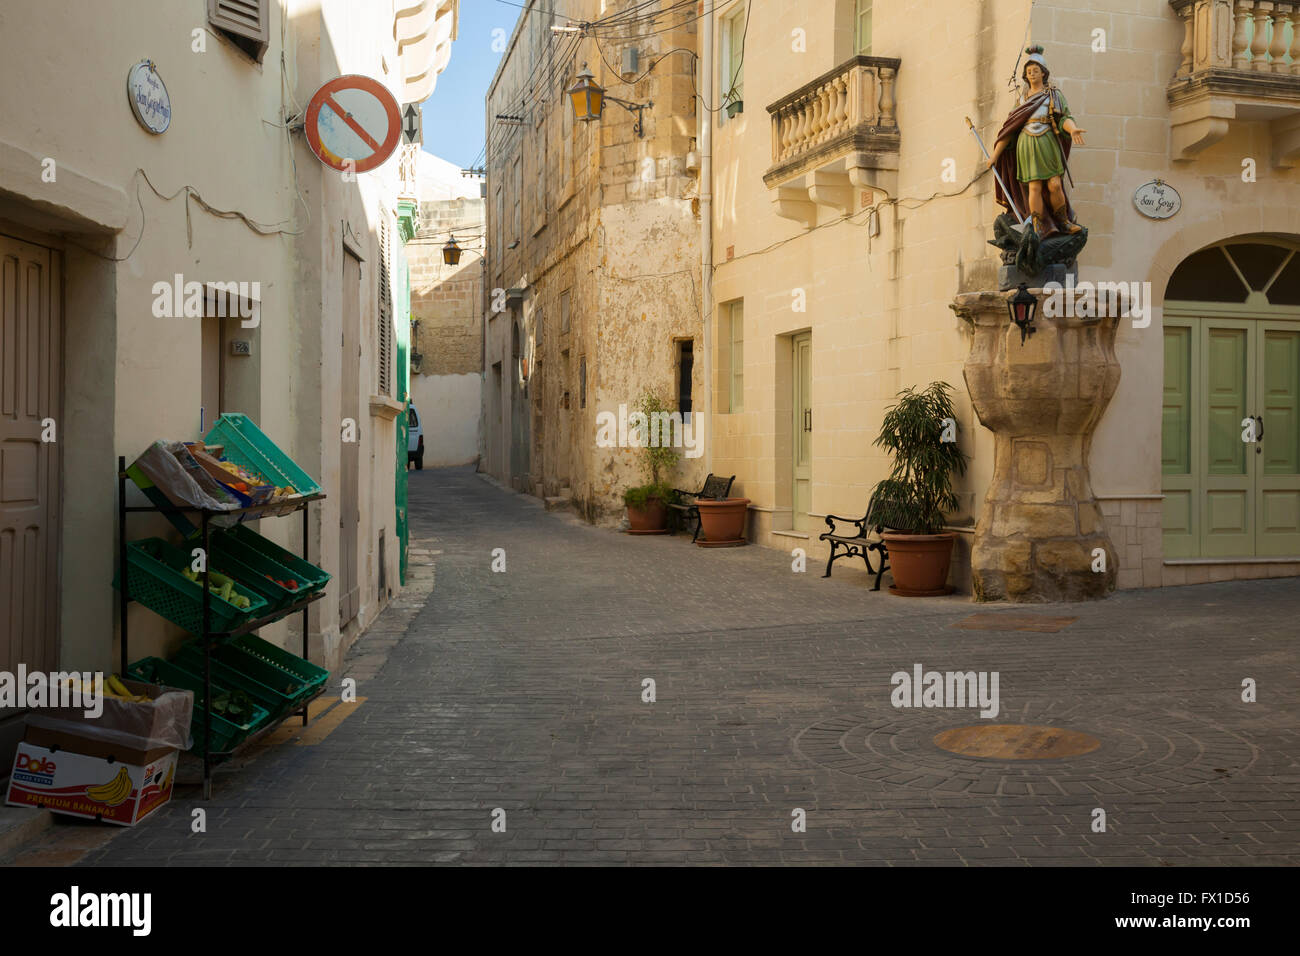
803 416
1227 472
1277 457
1226 496
1182 526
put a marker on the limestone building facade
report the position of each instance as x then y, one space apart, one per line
97 210
852 211
593 248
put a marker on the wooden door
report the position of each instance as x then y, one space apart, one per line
1277 457
803 425
1226 496
30 387
1227 467
350 454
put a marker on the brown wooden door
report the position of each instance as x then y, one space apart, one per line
30 359
350 456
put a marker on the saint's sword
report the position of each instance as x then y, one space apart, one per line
1006 192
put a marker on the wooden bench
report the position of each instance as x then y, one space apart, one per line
715 488
855 545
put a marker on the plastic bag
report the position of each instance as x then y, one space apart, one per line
176 474
165 722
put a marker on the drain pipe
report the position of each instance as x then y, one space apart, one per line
705 86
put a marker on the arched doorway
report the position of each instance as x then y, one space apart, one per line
1230 434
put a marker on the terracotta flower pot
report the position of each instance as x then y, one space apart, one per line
722 523
652 519
920 563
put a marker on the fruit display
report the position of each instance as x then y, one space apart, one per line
115 791
291 584
111 686
222 586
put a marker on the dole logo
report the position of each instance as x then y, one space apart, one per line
34 764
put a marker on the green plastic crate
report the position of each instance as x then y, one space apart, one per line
301 568
246 445
155 579
274 678
256 566
292 686
276 702
251 580
226 734
315 677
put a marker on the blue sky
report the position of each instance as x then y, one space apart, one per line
453 116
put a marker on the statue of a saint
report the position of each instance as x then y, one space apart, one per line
1042 131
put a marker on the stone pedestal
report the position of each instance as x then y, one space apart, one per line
1041 526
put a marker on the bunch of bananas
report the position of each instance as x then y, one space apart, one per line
112 687
115 791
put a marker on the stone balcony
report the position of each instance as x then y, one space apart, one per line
833 136
1240 63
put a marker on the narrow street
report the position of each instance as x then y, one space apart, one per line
522 690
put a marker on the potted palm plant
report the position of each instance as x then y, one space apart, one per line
647 505
912 502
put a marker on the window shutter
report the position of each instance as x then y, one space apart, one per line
245 22
384 336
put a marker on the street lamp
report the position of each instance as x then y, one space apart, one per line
588 99
451 252
1022 307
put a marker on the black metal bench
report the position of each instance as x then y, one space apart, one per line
856 545
715 488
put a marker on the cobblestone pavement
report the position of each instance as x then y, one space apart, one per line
522 691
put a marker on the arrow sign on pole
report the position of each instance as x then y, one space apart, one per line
412 125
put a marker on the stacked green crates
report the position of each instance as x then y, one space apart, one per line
155 580
226 734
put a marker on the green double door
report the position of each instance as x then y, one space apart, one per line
1227 381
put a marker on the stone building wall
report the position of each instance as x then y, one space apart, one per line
603 280
876 288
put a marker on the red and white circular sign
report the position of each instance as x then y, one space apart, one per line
353 123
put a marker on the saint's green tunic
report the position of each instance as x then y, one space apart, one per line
1038 152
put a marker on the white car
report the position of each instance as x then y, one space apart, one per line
414 439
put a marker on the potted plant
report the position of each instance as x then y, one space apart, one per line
722 522
911 503
647 505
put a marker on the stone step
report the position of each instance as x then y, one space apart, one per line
558 503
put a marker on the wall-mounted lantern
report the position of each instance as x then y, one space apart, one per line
1023 306
451 252
588 99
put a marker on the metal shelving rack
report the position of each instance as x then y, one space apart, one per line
209 636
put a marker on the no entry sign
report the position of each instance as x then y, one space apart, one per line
353 124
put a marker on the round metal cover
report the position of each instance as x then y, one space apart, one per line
1015 742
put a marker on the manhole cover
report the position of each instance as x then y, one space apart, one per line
1014 621
1142 749
1015 742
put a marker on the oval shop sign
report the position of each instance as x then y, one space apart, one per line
149 100
1157 200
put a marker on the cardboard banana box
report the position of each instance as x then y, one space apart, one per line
80 785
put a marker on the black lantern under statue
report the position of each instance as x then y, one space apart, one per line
1023 306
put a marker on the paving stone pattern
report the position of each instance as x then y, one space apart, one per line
523 690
